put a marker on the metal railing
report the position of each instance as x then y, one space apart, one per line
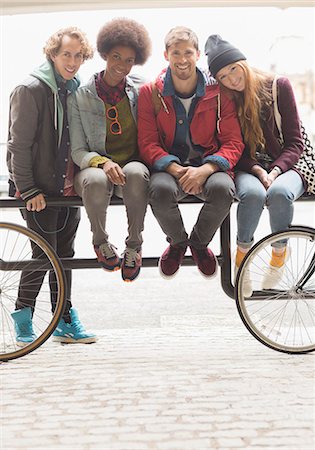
224 258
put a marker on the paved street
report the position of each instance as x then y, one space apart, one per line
174 369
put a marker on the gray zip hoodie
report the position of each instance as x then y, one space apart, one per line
47 75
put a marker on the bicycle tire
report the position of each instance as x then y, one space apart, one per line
281 317
17 244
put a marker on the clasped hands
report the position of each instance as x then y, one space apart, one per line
266 178
191 179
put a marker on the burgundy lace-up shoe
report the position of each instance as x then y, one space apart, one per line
131 264
205 260
171 260
107 256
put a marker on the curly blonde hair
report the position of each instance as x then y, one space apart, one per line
251 104
54 42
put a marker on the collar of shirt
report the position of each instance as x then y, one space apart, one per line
109 94
168 88
66 85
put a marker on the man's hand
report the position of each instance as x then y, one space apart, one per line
195 177
176 170
36 203
114 173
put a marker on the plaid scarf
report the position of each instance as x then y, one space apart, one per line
109 94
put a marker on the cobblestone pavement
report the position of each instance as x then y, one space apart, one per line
174 369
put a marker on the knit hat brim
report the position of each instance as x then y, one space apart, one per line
221 53
229 57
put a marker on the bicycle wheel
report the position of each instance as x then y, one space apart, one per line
282 318
17 245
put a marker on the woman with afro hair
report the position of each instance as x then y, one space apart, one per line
103 131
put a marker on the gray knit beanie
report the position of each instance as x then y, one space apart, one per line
220 53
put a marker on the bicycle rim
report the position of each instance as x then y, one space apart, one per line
17 245
281 317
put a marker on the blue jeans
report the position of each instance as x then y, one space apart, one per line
278 198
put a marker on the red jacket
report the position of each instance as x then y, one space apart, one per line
214 127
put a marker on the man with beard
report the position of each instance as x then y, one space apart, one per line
189 135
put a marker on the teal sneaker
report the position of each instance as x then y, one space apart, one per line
24 333
73 332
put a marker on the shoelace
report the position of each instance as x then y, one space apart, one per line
130 257
273 271
26 328
77 325
107 250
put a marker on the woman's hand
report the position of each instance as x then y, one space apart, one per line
114 173
262 175
273 175
266 178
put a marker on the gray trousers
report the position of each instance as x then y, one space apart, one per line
96 190
165 192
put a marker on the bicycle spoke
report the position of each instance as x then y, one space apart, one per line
281 317
27 283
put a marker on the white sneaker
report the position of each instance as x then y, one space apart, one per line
247 282
273 275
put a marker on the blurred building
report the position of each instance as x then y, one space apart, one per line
294 57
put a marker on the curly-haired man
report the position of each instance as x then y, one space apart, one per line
40 166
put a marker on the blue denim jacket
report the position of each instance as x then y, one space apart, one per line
87 119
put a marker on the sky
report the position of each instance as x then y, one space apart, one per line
284 37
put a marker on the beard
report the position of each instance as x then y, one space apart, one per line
183 74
